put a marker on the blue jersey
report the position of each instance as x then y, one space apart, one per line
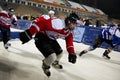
107 34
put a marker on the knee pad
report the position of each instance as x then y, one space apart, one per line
59 56
50 59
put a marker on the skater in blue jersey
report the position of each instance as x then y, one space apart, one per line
109 35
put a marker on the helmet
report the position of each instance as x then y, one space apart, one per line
51 12
11 9
72 18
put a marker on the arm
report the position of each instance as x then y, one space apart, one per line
14 20
35 27
26 35
70 48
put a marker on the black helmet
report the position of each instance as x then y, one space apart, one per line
72 18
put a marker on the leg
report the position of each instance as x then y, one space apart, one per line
58 50
46 69
47 62
43 44
96 43
105 54
6 37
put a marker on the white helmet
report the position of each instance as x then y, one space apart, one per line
51 12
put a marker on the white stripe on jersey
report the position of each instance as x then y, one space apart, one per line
117 33
36 26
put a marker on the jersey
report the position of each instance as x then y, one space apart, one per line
53 29
6 20
107 33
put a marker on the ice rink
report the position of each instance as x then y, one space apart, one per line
23 62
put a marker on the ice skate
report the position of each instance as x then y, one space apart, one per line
7 45
106 56
46 69
83 52
57 65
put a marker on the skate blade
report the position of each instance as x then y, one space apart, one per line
106 58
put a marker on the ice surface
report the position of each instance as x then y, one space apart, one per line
23 62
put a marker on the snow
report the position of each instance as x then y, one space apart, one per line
23 62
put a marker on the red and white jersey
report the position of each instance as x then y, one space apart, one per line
54 29
6 20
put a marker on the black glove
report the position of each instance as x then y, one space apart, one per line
25 36
72 58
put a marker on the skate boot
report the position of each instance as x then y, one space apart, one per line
46 69
105 55
57 65
83 52
7 45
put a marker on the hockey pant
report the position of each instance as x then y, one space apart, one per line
50 49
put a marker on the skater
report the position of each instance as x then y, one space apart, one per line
7 18
106 35
46 31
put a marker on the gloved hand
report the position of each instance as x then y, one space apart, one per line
25 36
72 58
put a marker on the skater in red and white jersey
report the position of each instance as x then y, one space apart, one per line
46 31
7 18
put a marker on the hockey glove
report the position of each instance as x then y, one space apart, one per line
72 58
25 36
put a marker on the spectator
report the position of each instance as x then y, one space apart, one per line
80 22
87 22
98 23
